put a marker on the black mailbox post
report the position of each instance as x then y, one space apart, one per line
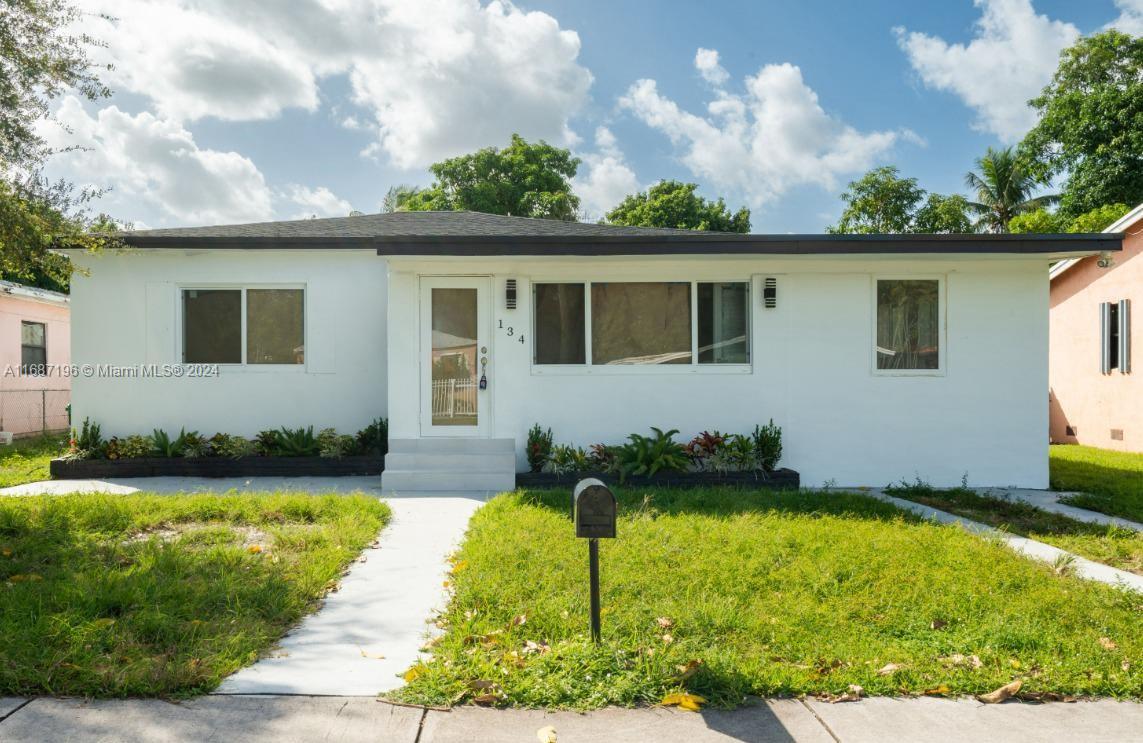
594 511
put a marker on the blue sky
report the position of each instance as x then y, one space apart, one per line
226 110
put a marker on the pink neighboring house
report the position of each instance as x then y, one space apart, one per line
35 328
1096 396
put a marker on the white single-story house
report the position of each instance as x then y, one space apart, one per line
882 357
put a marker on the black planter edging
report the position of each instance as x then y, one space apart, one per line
83 469
780 479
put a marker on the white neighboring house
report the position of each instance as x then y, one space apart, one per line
881 357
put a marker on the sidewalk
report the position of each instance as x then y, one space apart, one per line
283 719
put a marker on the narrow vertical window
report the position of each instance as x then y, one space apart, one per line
908 324
33 348
723 323
560 331
1125 336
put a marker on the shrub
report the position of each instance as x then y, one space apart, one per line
226 445
333 446
647 455
297 442
163 446
266 443
111 448
703 447
374 438
539 447
602 457
768 445
194 445
565 459
88 442
135 446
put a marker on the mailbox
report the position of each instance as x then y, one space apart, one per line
594 510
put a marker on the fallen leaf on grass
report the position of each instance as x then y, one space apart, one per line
684 700
852 694
6 552
24 578
1004 692
254 549
888 669
937 691
957 659
688 670
530 647
1047 696
937 624
413 672
458 566
486 692
1107 643
546 735
665 622
518 620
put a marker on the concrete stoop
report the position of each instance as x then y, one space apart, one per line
454 465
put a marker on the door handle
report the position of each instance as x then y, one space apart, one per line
483 375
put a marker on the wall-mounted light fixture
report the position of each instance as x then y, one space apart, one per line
510 294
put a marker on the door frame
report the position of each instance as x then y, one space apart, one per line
483 286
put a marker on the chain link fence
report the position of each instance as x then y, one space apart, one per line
30 412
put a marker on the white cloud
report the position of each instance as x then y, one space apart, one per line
706 62
1130 20
1011 58
437 77
153 163
604 178
316 202
774 137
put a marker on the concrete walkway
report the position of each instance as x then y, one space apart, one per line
369 631
286 719
1083 567
1049 500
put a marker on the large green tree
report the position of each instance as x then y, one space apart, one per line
40 58
1042 220
1091 123
1003 188
882 202
676 204
522 180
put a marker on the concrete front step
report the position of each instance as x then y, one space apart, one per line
503 462
404 481
431 445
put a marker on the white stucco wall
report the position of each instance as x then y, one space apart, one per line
125 313
984 417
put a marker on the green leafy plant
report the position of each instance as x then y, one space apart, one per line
163 446
374 438
134 447
768 445
703 449
111 448
266 442
194 445
333 445
88 442
233 447
647 455
565 459
602 458
736 453
297 442
539 447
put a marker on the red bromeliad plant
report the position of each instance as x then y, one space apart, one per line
704 445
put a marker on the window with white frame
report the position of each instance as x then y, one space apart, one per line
635 323
247 325
908 334
33 348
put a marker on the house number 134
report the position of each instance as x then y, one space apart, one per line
511 332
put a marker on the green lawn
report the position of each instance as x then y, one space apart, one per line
162 595
728 592
1111 481
26 460
1121 548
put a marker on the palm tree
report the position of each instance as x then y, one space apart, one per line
1002 190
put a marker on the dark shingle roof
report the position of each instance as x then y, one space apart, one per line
408 224
476 234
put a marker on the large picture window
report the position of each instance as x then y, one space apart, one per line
908 325
638 323
243 326
33 348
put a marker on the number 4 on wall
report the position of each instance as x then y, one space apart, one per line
511 332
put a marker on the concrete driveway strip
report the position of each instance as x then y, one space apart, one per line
213 718
8 705
371 630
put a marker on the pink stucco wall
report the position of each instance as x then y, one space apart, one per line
1081 397
27 403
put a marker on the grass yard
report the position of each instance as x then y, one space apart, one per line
26 460
163 595
1111 481
1115 546
725 593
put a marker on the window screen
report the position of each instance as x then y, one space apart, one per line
908 324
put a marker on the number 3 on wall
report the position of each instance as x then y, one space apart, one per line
511 332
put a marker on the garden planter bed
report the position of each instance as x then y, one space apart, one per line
83 469
780 479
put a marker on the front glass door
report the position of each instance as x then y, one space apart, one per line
454 356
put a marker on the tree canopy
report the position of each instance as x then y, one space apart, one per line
1042 220
1091 123
882 202
677 205
39 59
521 180
1003 188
